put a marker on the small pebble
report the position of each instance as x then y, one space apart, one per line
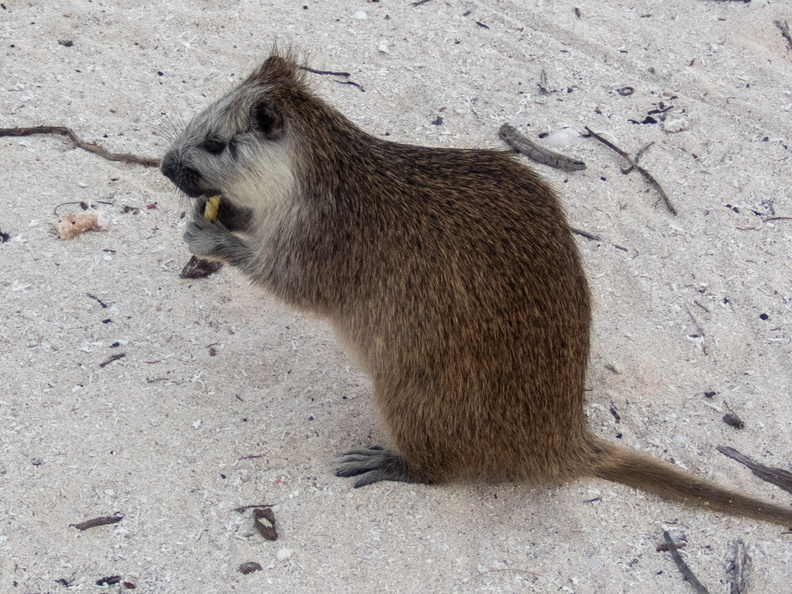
283 554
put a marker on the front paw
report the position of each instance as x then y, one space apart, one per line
207 239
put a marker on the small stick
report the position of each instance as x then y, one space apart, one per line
350 82
695 322
111 359
739 567
542 84
784 28
331 73
683 567
247 507
701 306
585 234
103 521
509 134
640 153
79 143
420 2
325 72
99 301
592 237
81 202
777 476
635 165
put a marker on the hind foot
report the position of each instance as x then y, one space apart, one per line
374 464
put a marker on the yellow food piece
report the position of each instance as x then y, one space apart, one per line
212 206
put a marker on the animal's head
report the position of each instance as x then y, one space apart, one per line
240 145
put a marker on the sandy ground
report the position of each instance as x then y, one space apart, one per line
225 398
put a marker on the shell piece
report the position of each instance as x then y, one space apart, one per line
212 208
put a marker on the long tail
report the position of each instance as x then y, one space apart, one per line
643 472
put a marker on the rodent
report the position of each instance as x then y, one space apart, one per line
451 275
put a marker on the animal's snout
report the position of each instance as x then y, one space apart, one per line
184 177
169 166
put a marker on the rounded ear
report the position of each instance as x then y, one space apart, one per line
268 120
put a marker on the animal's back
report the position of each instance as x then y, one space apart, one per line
474 319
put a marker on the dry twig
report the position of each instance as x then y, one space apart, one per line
585 234
739 568
683 567
784 28
103 521
331 73
255 506
325 72
634 165
111 359
777 476
79 143
509 134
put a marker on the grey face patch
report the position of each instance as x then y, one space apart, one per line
237 147
219 143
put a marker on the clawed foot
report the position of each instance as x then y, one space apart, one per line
374 464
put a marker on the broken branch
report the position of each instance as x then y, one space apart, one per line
784 28
509 134
777 476
79 143
648 176
683 567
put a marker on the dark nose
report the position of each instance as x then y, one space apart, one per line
187 179
168 167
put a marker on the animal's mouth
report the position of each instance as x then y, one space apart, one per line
188 179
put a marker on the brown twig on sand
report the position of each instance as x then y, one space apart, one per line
255 506
637 167
79 143
585 234
784 28
683 567
593 237
325 72
350 82
103 521
739 568
331 73
777 476
111 359
509 134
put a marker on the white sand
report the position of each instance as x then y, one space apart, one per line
164 435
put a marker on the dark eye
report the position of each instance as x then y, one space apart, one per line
211 145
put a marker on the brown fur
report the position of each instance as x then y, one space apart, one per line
451 275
